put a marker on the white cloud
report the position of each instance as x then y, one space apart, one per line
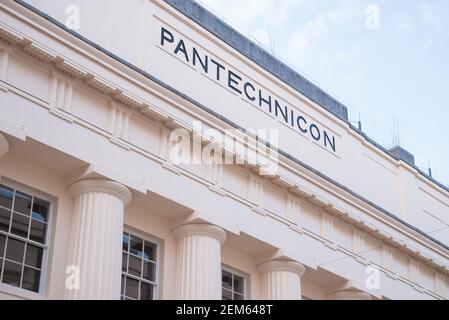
431 15
305 43
404 22
348 56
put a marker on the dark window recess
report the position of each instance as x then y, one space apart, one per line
23 232
139 267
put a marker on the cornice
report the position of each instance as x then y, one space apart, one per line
104 87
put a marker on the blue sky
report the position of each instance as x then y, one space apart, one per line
387 60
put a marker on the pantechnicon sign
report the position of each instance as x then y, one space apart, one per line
244 87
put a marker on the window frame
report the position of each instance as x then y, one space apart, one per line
46 246
245 276
159 244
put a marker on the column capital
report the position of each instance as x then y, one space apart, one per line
200 229
349 295
4 145
282 265
101 185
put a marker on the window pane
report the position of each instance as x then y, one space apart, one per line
15 250
226 294
135 266
146 291
150 251
126 242
141 267
19 225
37 232
2 245
22 203
136 246
5 217
238 284
33 256
238 296
127 298
31 279
226 280
123 286
22 216
149 271
124 261
12 273
6 195
132 288
40 209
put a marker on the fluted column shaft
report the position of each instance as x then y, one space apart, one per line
97 231
281 280
199 261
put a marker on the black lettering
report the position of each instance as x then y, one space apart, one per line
181 47
327 139
261 99
232 81
298 120
278 108
292 118
316 134
245 87
204 64
166 36
219 67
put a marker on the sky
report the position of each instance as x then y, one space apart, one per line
386 60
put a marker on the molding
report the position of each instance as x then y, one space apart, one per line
58 113
213 27
3 89
155 114
260 57
302 192
22 293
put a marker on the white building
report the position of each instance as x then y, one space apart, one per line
92 205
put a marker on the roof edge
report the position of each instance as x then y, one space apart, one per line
258 55
234 125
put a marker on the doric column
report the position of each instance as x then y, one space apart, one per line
199 261
351 294
97 231
281 279
4 145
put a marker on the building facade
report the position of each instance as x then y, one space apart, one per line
102 196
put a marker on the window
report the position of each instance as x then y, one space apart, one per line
23 237
232 285
139 268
